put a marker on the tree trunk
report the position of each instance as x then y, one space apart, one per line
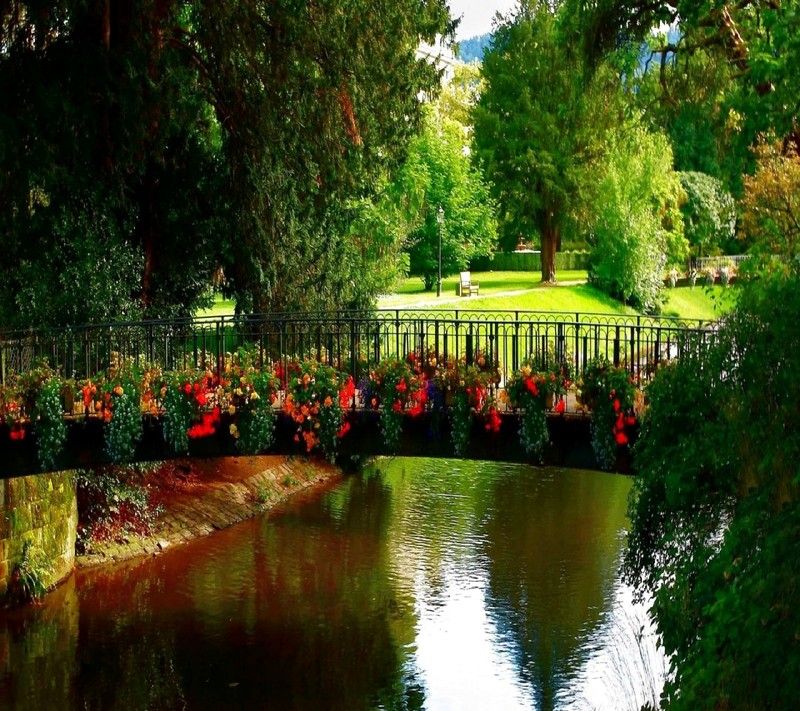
549 243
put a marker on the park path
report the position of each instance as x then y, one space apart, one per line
468 300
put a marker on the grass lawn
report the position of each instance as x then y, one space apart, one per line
411 293
701 302
220 307
524 291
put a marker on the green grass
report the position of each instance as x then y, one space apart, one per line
411 293
220 307
700 302
524 291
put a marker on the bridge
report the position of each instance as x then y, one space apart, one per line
353 343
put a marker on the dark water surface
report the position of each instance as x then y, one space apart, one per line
423 584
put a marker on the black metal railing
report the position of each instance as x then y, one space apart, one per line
358 340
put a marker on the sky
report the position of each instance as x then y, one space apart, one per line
476 15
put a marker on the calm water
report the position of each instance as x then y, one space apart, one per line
424 584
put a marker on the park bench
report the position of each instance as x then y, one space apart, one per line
466 287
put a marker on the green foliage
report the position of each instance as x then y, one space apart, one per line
124 428
32 573
637 226
709 215
142 152
49 426
179 412
715 515
771 208
256 425
610 394
438 173
529 128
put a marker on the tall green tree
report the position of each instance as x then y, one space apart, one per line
709 215
530 126
170 139
439 174
636 224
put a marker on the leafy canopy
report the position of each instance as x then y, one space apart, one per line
146 147
635 219
438 173
715 515
529 127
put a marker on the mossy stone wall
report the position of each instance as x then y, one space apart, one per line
42 509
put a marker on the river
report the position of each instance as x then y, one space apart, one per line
417 584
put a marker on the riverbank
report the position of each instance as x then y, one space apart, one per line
214 494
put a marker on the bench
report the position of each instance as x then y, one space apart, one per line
466 287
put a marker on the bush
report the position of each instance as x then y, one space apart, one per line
715 510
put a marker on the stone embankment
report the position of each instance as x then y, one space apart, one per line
218 493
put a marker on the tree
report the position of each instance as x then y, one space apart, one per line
176 138
715 513
771 203
635 219
729 75
709 214
438 173
460 94
529 127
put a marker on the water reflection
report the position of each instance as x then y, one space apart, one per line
424 584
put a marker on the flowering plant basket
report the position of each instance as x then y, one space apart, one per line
394 388
313 402
120 407
610 393
191 408
534 389
468 391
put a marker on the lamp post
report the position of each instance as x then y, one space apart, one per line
440 220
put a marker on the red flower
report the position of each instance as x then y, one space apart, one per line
187 388
560 406
616 405
201 398
343 430
630 420
397 407
621 438
493 425
347 392
401 387
531 385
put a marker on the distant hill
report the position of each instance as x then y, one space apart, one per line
472 49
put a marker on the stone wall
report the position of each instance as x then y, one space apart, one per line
42 509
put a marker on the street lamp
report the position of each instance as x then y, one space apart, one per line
440 220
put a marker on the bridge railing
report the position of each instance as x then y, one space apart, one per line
356 341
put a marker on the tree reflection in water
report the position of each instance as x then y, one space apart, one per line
425 584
